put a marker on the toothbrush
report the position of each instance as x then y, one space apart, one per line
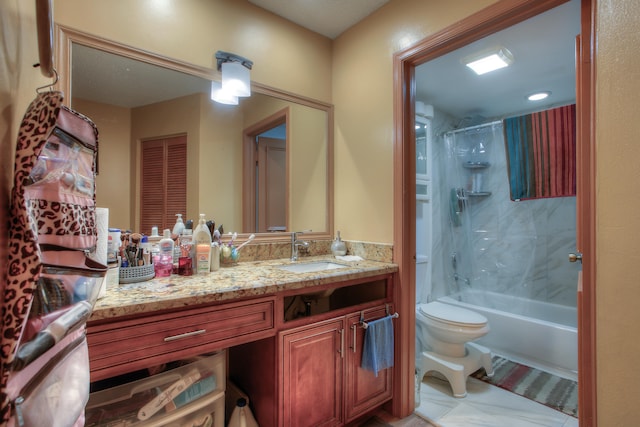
233 237
251 237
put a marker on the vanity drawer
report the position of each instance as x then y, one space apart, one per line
124 346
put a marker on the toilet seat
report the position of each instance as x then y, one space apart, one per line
440 312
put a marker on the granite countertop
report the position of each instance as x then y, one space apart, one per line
246 279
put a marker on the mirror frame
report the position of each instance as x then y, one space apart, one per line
66 36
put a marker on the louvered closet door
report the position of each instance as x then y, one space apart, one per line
163 187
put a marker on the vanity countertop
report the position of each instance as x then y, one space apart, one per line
246 279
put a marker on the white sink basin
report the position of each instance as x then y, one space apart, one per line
310 267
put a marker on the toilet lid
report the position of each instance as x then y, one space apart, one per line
451 314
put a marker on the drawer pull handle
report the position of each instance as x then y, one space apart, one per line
185 335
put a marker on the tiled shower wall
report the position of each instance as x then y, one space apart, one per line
516 248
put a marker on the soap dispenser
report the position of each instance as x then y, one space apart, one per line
178 228
338 247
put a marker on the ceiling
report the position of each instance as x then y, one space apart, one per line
543 50
327 17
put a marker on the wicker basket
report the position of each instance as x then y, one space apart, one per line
136 274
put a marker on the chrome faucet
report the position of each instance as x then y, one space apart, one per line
296 243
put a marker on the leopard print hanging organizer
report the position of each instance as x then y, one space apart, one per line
59 210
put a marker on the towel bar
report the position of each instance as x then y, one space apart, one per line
365 325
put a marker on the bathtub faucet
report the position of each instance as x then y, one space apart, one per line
466 280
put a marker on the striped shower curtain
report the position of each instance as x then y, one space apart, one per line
541 153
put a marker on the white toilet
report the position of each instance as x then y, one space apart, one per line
447 330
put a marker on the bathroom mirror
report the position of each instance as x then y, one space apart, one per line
219 136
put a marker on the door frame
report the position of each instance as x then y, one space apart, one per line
268 149
249 158
496 17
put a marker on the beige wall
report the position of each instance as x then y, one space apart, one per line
175 117
113 189
308 169
618 212
285 56
220 164
307 153
363 96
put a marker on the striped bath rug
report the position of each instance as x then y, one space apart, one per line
555 392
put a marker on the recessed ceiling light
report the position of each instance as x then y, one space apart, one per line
538 96
489 60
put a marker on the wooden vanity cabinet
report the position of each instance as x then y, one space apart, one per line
365 391
322 375
125 345
317 367
312 374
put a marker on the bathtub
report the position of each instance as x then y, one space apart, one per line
550 344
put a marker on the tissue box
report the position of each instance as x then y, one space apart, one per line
192 391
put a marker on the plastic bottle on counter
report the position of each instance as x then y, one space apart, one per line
164 260
145 246
215 256
242 416
154 240
186 243
178 228
202 242
185 259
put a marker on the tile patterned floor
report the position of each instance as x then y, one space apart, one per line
484 406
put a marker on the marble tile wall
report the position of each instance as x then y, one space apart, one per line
516 248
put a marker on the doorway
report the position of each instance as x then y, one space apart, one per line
271 173
265 175
492 19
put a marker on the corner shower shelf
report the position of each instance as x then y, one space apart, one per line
477 193
476 165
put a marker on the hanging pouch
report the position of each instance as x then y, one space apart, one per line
60 192
44 378
65 294
53 390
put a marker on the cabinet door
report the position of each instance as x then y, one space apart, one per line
363 390
312 374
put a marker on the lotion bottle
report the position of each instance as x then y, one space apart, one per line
202 241
164 261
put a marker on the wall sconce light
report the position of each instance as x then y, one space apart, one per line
236 78
489 60
221 96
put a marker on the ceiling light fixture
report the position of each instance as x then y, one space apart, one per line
489 60
538 96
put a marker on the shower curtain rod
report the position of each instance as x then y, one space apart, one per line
495 122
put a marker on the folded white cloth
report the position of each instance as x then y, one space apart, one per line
349 258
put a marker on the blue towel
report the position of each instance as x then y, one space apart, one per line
377 353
